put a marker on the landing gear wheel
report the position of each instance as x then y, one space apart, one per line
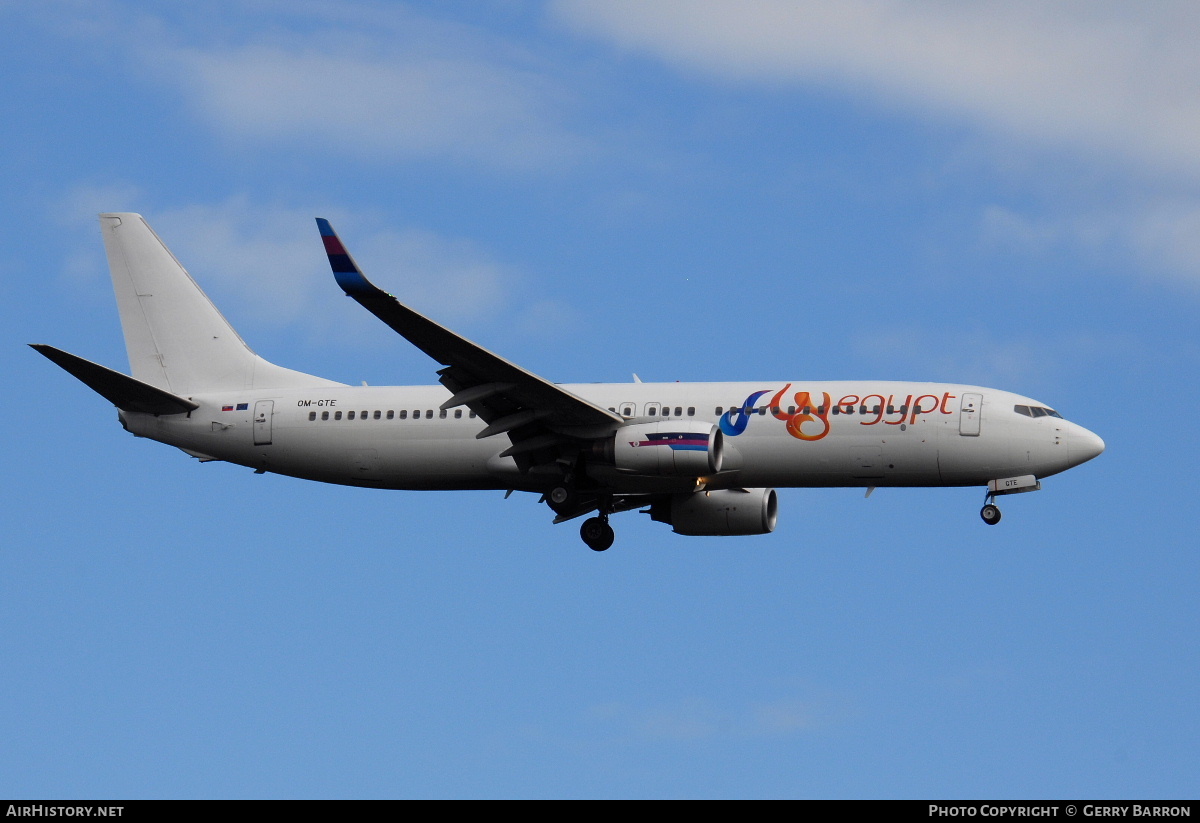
559 495
990 514
597 534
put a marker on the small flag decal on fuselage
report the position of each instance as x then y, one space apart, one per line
240 407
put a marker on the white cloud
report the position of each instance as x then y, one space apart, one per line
1160 237
378 83
76 213
451 280
269 259
1168 237
1118 79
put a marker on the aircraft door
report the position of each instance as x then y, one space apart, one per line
968 415
264 410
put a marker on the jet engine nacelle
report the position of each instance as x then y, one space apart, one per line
679 448
723 512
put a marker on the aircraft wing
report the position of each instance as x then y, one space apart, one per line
537 415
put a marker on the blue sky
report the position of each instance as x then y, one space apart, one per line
1002 194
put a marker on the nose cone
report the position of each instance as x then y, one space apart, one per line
1083 445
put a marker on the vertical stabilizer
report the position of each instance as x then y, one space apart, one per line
175 337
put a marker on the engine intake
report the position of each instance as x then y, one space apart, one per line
724 512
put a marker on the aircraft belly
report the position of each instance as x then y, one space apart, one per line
975 459
844 458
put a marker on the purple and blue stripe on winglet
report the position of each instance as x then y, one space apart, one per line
345 271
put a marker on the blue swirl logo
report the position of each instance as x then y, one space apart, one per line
735 421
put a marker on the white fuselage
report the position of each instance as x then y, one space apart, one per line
843 433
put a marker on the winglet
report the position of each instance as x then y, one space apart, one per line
345 270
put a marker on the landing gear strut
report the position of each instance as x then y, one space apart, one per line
597 534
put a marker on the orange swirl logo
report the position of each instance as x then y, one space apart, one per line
807 412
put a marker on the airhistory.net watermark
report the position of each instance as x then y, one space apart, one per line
42 810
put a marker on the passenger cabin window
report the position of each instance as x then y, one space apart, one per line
458 414
378 414
349 415
312 415
679 411
338 415
627 410
442 414
651 409
472 415
719 410
691 411
363 416
391 414
429 414
404 414
324 415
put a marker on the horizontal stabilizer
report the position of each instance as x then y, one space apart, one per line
121 390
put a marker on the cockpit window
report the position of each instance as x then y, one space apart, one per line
1036 411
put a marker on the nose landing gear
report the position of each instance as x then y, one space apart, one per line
1005 485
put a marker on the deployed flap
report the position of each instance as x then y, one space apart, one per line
485 382
122 391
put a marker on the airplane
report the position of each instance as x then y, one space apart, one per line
703 458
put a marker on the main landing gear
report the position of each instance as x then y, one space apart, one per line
597 534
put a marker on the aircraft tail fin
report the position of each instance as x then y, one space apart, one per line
176 338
